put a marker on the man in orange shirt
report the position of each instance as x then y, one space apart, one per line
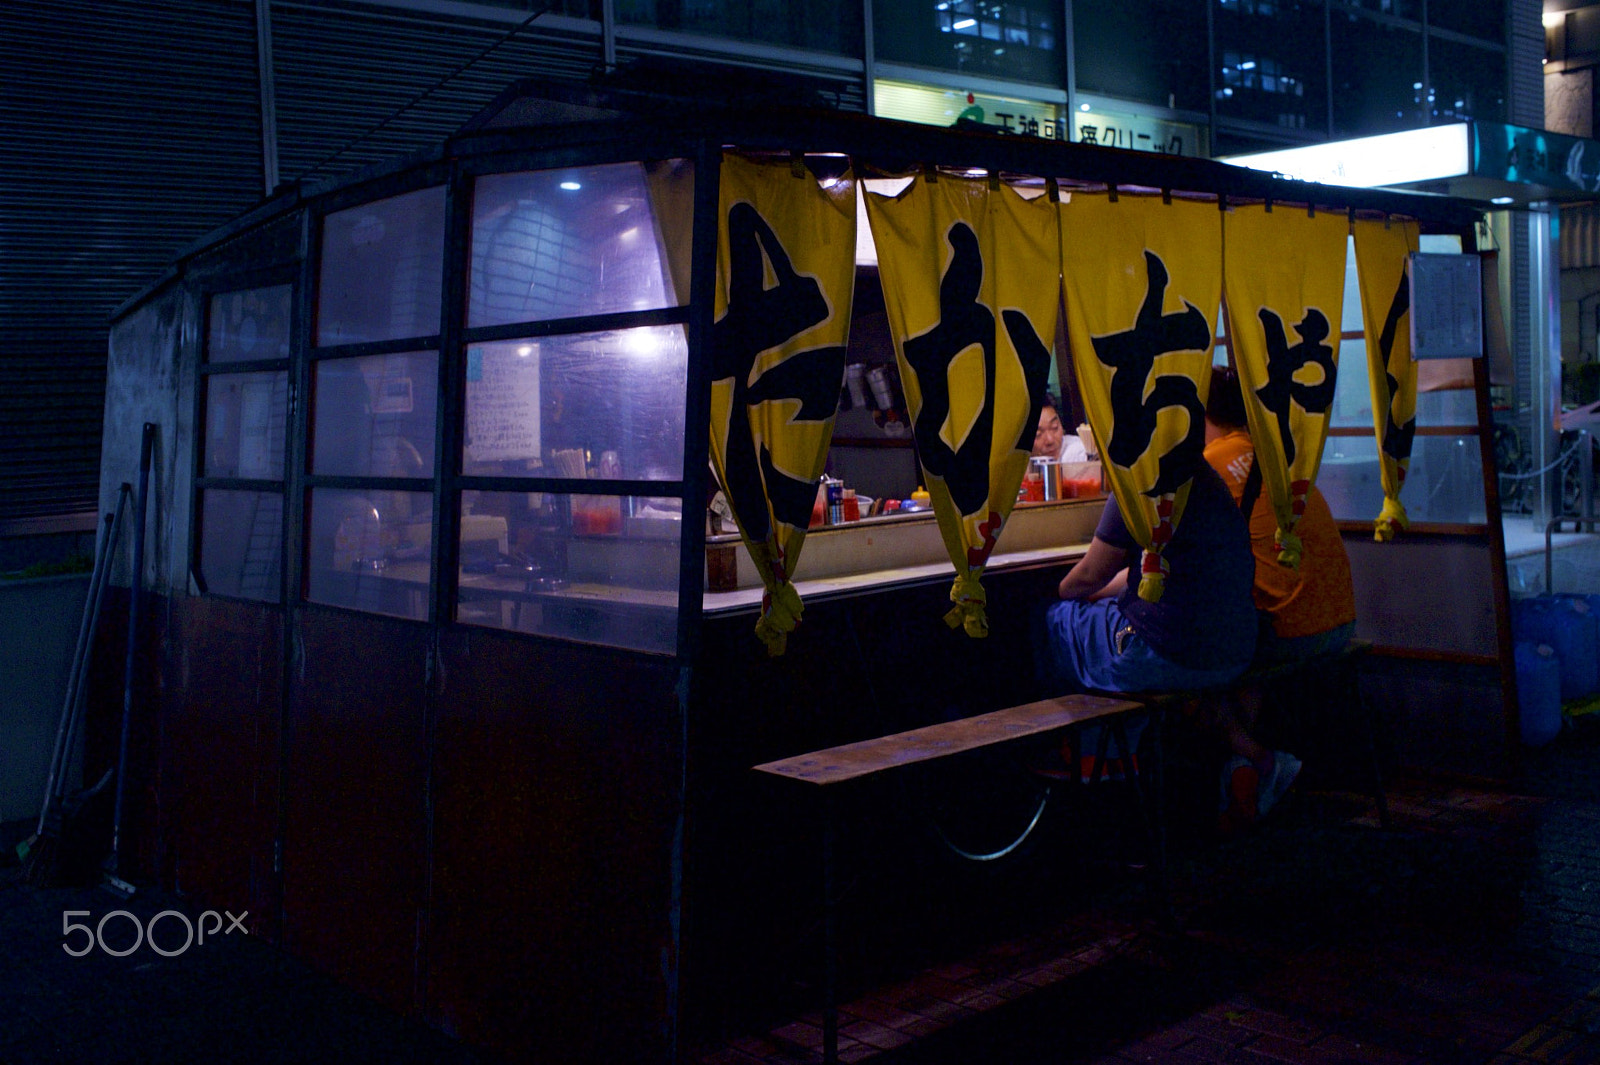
1303 611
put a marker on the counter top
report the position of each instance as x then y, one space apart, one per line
749 599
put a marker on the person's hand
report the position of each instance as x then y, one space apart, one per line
1095 571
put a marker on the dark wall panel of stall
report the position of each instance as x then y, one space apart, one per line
1445 717
150 379
856 667
1434 593
1428 604
131 130
219 739
557 774
355 790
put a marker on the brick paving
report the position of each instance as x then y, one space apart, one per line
1467 933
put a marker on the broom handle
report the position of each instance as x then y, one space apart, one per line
81 692
135 606
91 610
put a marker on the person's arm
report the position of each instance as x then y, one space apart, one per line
1095 571
1114 587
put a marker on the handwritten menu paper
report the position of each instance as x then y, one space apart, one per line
1446 306
502 402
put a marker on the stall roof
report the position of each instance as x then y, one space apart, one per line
761 115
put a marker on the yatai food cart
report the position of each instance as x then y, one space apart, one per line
455 683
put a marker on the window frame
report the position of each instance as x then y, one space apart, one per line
684 314
306 482
210 286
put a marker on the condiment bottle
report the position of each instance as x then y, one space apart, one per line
852 509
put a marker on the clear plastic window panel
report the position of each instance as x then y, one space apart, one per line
580 241
245 418
241 543
369 549
1445 478
382 270
374 416
249 324
604 405
1352 398
1444 483
593 568
1350 317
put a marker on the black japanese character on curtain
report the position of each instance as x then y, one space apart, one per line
1283 362
1397 439
1035 360
963 322
1136 402
759 319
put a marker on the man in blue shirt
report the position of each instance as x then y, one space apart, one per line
1201 633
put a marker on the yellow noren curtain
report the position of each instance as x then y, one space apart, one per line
969 281
785 278
1283 275
1143 280
1383 262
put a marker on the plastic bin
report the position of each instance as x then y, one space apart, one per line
1568 625
1538 692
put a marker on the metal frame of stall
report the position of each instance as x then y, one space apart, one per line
626 127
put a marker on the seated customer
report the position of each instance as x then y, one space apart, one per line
1309 609
1304 610
1051 440
1202 632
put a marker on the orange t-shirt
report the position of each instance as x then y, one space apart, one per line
1302 602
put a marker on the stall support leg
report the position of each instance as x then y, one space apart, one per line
1158 789
1372 731
1153 819
830 942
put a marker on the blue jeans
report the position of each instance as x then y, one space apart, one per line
1273 651
1090 645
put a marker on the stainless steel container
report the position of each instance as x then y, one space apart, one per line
1049 471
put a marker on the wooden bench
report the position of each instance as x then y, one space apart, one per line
824 772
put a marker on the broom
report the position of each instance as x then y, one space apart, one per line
38 852
135 607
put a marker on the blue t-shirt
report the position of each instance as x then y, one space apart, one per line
1206 618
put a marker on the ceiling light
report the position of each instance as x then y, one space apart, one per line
571 186
1502 200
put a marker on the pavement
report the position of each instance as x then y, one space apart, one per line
230 998
1468 931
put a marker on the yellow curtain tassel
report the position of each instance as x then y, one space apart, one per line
1153 577
968 613
1289 549
780 614
1391 519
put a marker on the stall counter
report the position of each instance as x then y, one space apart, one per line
882 553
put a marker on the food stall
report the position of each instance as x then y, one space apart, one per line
455 681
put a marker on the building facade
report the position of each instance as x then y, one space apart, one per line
135 132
